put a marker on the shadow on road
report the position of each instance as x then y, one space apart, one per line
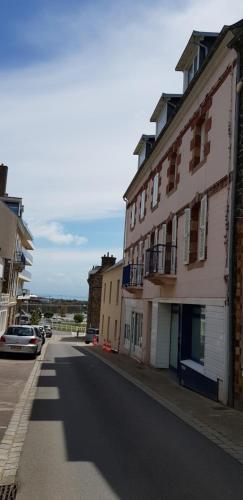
142 451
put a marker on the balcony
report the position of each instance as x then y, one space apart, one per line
19 262
25 275
160 264
132 279
28 258
4 299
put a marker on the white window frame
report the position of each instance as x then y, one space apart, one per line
202 140
187 230
133 209
174 244
155 190
202 229
142 205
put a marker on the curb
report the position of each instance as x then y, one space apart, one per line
215 437
13 439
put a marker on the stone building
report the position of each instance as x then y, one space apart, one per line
95 287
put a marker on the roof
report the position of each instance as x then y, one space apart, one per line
142 141
234 28
190 47
159 106
94 270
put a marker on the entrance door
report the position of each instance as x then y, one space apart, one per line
174 335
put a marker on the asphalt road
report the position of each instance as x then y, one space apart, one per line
95 436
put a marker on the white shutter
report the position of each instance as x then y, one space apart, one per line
142 206
202 228
133 215
163 248
173 247
187 224
155 190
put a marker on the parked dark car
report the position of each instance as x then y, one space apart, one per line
90 334
48 331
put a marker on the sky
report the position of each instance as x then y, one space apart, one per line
79 80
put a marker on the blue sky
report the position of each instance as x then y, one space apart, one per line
78 83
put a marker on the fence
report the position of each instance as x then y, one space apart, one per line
67 327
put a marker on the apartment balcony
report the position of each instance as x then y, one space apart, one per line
7 300
25 275
4 299
160 265
132 279
28 258
19 262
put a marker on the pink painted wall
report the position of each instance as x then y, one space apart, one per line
207 281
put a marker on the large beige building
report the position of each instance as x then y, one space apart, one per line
15 243
110 311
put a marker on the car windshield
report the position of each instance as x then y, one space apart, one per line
20 331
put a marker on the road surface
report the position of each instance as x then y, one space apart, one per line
95 436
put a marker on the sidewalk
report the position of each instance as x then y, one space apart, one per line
14 373
220 424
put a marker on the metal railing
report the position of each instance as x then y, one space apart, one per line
133 275
25 274
161 259
4 299
28 257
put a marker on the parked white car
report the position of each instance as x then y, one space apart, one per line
23 339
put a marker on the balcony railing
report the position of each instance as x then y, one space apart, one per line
19 261
28 258
132 276
160 263
4 299
25 275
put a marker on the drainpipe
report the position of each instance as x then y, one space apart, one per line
231 343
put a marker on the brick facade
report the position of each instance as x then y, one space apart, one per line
95 286
238 258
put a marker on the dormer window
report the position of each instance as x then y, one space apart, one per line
164 110
196 51
143 148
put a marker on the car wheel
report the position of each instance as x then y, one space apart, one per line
86 342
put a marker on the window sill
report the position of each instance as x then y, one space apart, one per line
193 365
154 207
198 166
195 265
172 191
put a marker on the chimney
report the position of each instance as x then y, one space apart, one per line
107 260
3 179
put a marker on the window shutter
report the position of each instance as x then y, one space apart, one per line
187 223
202 228
142 206
155 190
163 248
173 247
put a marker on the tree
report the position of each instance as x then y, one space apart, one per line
78 318
48 315
35 318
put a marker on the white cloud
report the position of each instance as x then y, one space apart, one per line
69 126
65 271
54 232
